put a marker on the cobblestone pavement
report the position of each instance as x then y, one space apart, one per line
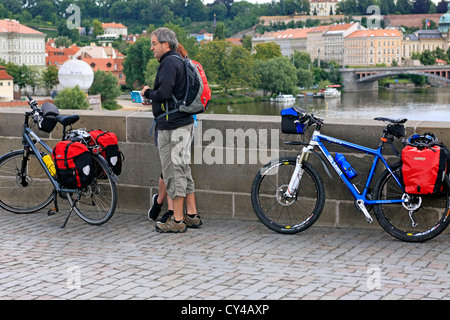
225 259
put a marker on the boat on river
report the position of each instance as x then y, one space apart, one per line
283 98
319 94
331 93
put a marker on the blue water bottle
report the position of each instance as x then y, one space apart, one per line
343 163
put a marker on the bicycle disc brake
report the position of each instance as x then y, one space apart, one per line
282 199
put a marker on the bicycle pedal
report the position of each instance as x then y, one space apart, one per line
51 212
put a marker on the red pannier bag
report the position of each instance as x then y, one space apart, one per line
73 164
110 148
423 169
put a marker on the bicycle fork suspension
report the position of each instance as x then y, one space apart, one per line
297 175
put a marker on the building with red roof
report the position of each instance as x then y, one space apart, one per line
21 44
6 85
104 58
57 56
372 47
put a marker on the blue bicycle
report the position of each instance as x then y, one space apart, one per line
288 194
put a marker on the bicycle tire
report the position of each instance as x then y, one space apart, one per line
297 214
16 197
97 202
432 216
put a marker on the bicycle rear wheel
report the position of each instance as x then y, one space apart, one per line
287 215
422 219
96 203
25 193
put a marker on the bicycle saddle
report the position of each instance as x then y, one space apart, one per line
398 121
67 120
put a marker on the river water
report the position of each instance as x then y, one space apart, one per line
413 104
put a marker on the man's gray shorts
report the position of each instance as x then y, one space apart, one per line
175 152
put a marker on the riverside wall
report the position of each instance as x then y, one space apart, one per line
228 151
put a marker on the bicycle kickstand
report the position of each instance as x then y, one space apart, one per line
70 212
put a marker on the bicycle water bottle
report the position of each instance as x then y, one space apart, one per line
49 164
343 163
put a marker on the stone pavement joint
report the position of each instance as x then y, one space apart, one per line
223 260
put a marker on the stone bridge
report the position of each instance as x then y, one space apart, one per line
363 79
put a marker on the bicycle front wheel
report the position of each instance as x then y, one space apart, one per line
287 215
25 192
96 203
421 219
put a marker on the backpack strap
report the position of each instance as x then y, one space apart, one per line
177 102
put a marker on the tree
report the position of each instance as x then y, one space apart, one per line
98 28
22 74
71 98
427 58
137 56
219 32
302 60
404 6
150 72
266 51
50 77
442 7
63 42
247 42
226 64
106 84
276 75
305 78
421 6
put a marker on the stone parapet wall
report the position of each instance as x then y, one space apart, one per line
228 151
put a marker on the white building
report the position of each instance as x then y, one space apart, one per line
112 31
20 44
333 41
323 7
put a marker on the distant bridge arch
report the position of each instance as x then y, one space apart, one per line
360 79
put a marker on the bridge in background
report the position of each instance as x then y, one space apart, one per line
361 79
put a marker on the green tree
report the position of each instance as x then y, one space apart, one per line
266 51
302 60
50 77
98 29
137 56
219 32
63 42
71 98
226 64
427 58
106 84
150 72
276 75
247 42
22 74
305 78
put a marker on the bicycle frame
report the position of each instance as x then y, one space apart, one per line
360 197
30 140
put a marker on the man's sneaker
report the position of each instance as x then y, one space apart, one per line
171 226
166 216
155 209
193 221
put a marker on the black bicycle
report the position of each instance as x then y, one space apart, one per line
27 185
